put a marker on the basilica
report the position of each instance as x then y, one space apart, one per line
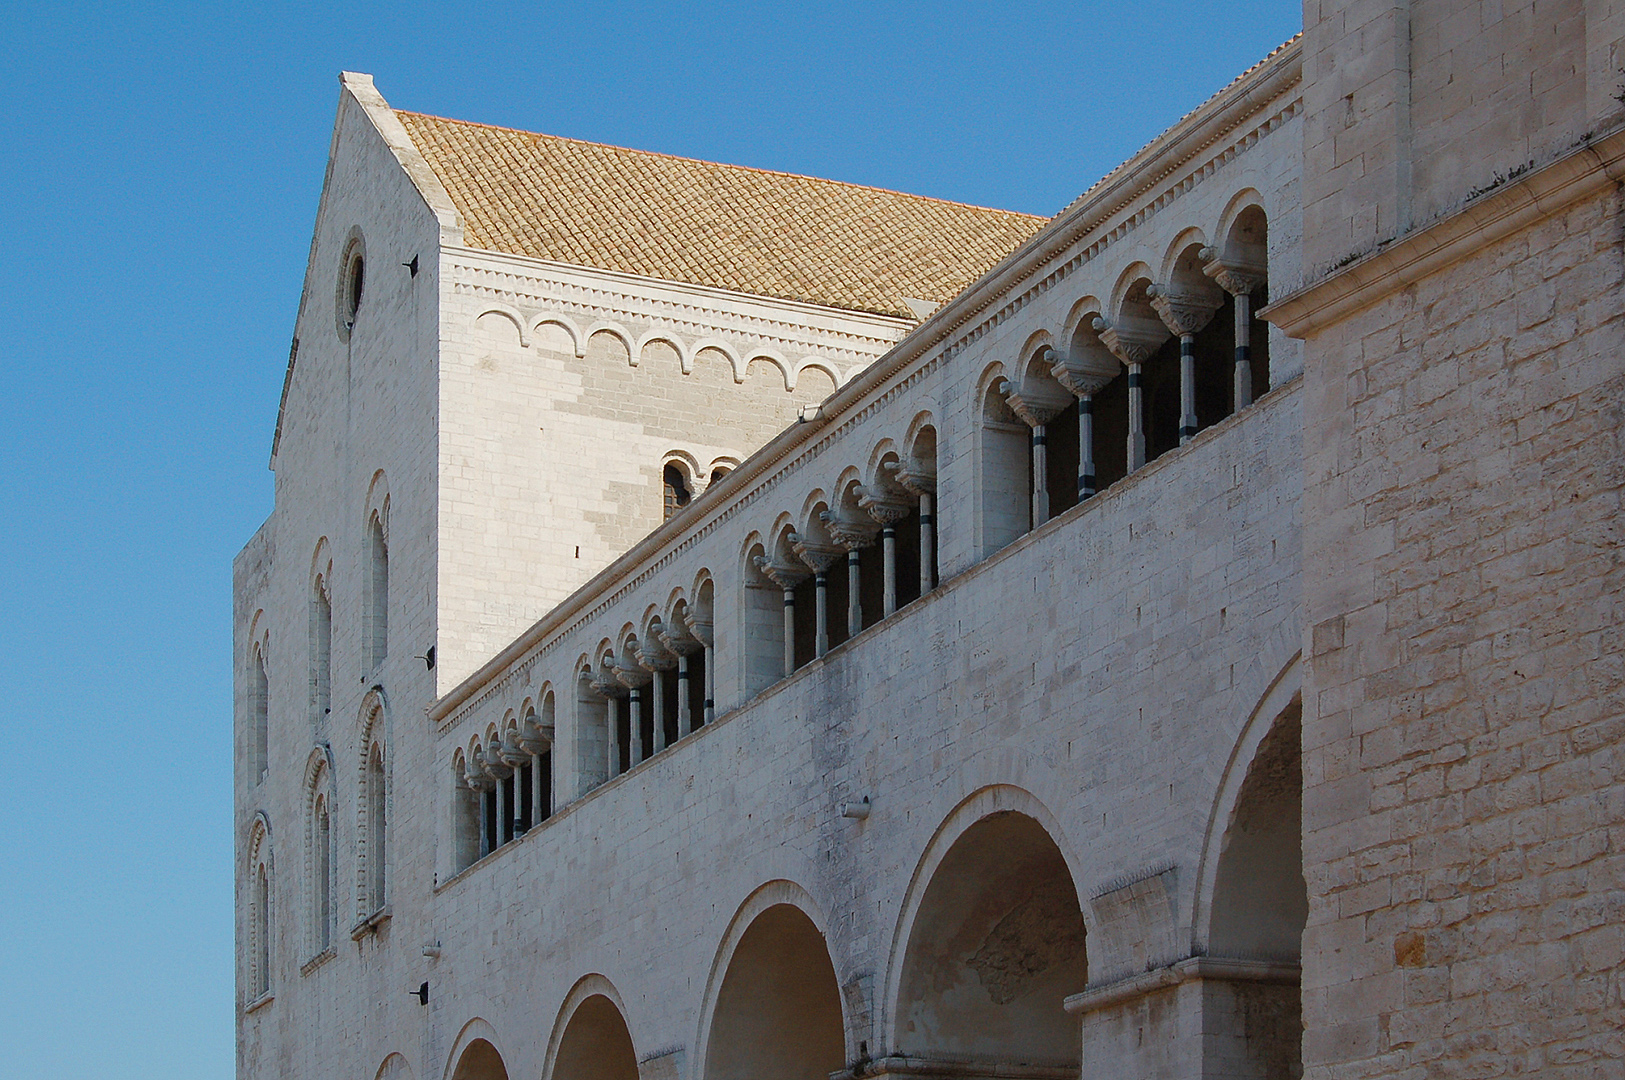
718 624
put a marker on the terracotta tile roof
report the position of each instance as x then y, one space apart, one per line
750 230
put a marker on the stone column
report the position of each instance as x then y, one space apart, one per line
681 644
786 578
479 781
1037 404
820 557
635 679
517 758
1185 312
924 485
853 536
537 741
887 510
1133 341
499 772
701 629
606 686
658 661
1239 280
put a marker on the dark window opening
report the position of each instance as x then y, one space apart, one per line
676 489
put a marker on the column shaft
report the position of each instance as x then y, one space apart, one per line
1040 478
485 826
504 814
1086 447
928 545
1187 388
538 794
635 728
710 684
657 709
821 608
685 714
1136 418
888 548
612 715
854 602
789 637
1244 351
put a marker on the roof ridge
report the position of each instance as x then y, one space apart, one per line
726 165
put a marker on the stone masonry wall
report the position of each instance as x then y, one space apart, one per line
1464 809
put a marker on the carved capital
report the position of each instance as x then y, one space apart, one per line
631 677
1085 375
494 765
912 478
474 773
1037 405
653 656
699 627
1232 275
604 683
884 507
512 751
849 535
816 555
783 575
678 640
1184 311
1132 340
533 737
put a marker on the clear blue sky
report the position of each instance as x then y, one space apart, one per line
160 172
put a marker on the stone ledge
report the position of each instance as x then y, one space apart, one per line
903 1065
1492 216
1222 968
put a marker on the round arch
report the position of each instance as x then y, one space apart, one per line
1281 702
990 940
772 1004
591 1039
475 1056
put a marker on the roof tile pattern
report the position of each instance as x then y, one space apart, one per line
748 230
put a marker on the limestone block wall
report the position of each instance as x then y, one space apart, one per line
356 436
1099 672
564 391
1464 795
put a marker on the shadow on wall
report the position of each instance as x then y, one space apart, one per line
779 1011
996 948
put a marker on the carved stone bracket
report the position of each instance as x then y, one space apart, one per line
534 737
783 575
678 640
1131 339
1233 276
884 507
632 677
1084 376
1036 404
914 479
513 753
698 627
1184 311
849 535
494 765
816 555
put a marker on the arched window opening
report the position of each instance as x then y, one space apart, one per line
917 535
996 946
1005 505
1187 303
675 485
355 279
770 614
467 808
1061 459
538 734
1050 413
1240 266
702 667
591 728
261 921
862 601
1094 377
377 795
321 652
719 472
377 623
259 705
1260 900
480 1061
596 1044
778 1013
321 850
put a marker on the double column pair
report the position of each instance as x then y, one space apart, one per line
669 654
486 774
884 509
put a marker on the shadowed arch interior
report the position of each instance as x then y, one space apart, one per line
596 1044
779 1011
480 1061
996 947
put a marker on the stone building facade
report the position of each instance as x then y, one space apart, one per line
718 624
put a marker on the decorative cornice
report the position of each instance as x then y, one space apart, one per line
1178 161
1493 215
